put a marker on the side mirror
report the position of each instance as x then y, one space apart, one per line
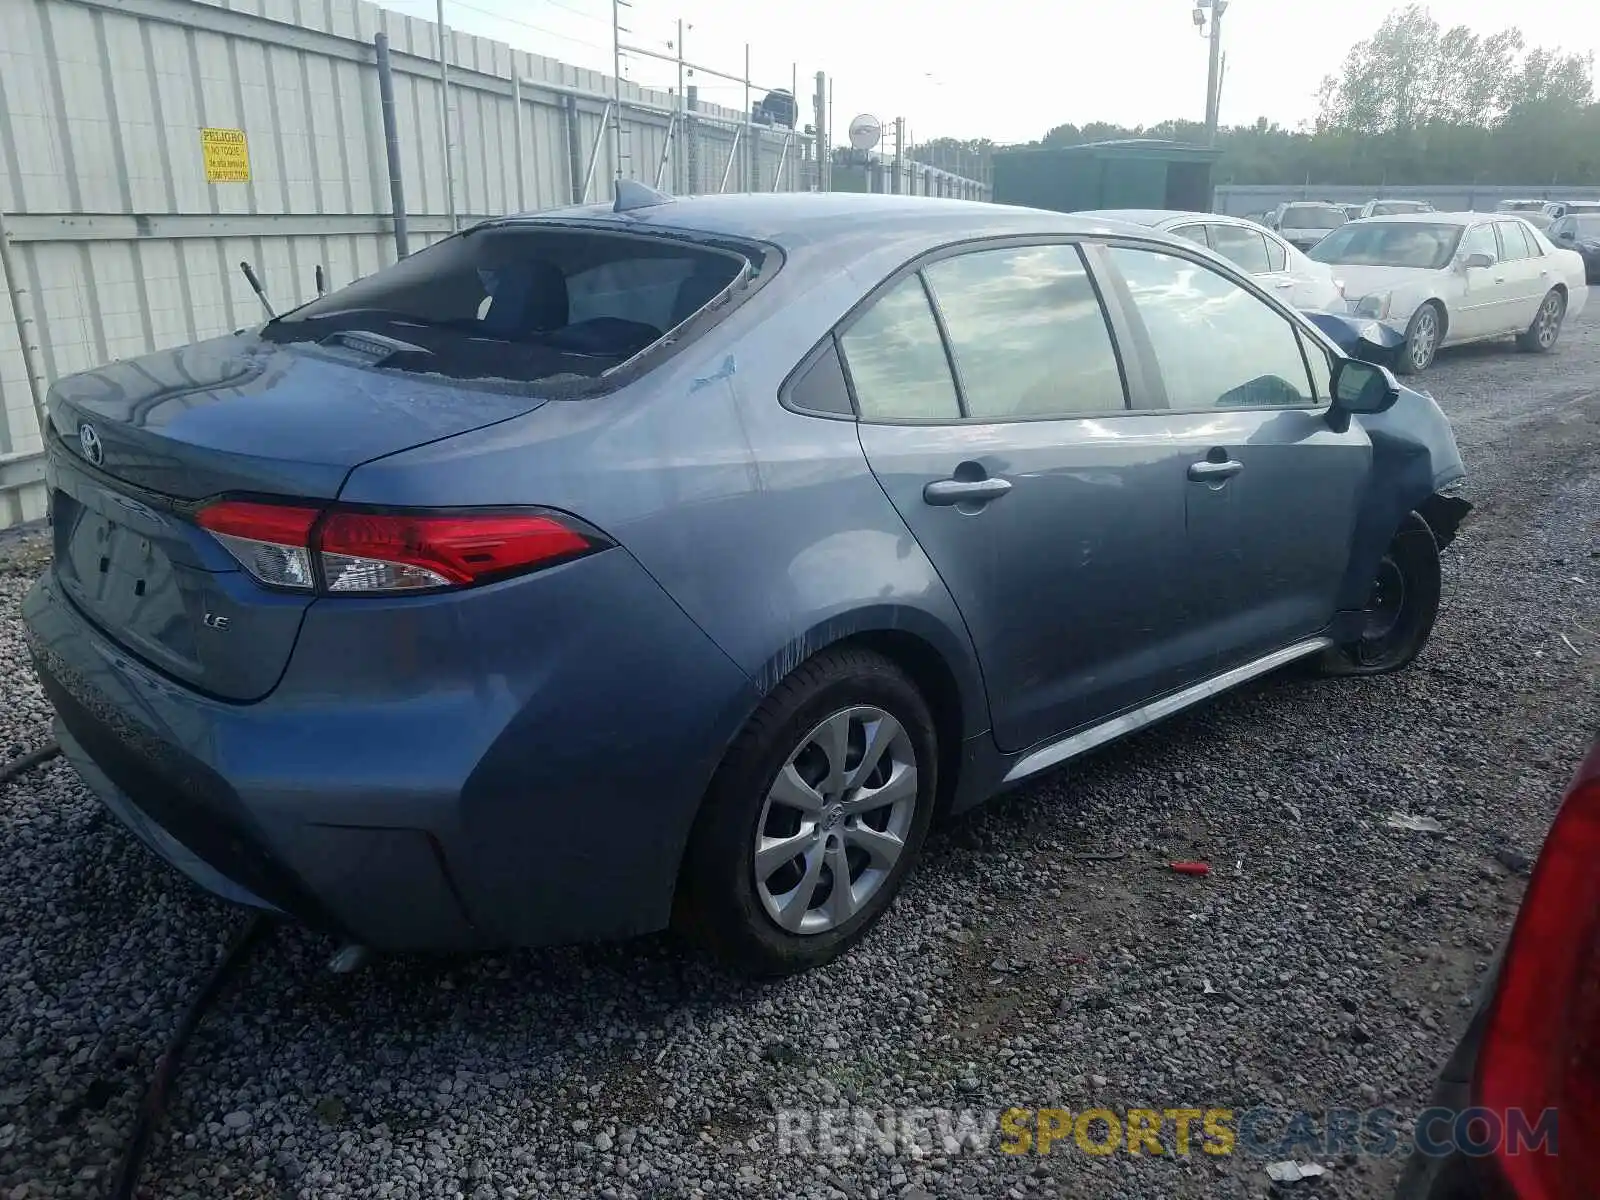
1363 387
1477 259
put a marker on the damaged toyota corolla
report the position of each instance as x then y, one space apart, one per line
677 562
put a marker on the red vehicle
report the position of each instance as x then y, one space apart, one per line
1517 1107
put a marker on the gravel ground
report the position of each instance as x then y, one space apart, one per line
1325 964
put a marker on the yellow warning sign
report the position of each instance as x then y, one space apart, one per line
227 155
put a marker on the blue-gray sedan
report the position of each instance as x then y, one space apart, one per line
679 561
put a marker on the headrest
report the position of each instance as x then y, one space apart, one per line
529 297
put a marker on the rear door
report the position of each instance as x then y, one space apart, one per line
993 411
1527 276
1248 250
1272 491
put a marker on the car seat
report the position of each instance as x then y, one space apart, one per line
530 297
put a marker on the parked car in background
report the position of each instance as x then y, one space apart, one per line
1448 278
1531 211
1258 252
1580 232
1394 208
1556 209
679 559
1304 223
1525 1068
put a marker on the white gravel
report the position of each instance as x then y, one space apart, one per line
1325 963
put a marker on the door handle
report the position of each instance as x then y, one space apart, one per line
1499 278
945 492
1285 283
1206 471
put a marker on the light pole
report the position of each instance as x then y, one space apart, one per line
1213 71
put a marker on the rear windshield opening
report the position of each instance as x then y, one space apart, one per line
519 303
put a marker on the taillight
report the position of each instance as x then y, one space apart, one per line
271 541
368 553
1541 1045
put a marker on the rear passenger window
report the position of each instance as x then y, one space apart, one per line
896 359
1027 333
1245 248
1195 233
1218 346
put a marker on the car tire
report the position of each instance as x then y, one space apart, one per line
1423 332
1540 337
736 883
1401 607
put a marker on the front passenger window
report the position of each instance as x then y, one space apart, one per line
1218 346
1480 240
897 361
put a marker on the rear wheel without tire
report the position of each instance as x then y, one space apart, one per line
1541 336
1401 607
813 818
1422 339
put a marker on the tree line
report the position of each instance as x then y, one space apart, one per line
1412 104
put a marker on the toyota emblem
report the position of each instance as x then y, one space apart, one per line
89 441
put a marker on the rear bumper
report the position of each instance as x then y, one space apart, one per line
515 765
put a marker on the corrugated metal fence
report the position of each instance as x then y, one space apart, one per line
119 242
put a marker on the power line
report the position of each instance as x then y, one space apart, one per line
528 25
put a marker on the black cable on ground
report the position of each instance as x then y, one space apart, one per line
30 760
154 1105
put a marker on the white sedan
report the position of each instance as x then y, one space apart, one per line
1446 278
1275 264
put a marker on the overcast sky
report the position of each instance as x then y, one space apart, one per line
1004 69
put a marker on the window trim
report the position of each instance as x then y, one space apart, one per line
1146 347
1132 378
1284 249
1528 244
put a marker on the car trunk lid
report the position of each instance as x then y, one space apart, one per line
140 443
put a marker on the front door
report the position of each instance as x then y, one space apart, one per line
1480 311
1053 514
1272 489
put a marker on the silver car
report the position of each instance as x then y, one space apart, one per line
682 561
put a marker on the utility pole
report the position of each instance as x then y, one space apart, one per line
1214 69
616 70
899 152
444 113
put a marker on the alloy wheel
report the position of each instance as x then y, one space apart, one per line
1549 321
1423 337
835 820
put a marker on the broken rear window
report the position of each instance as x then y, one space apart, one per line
519 303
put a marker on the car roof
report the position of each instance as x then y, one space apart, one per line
792 219
1437 218
1155 217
